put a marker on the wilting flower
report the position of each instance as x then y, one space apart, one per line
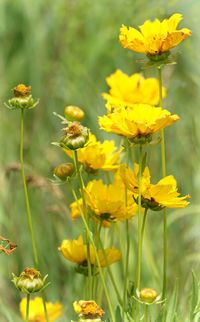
22 98
155 38
129 90
76 252
98 155
74 113
6 246
163 194
36 310
137 123
30 281
88 310
109 203
75 136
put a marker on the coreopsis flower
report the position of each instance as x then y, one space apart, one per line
137 123
22 98
88 310
64 171
109 203
163 194
75 136
98 155
129 90
30 281
76 252
74 113
155 38
36 310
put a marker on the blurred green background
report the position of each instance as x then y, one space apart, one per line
64 49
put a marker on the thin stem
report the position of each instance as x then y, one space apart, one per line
45 308
139 258
76 163
27 306
97 259
126 266
146 314
163 160
28 209
143 223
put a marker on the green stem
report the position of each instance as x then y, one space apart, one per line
28 209
45 308
143 223
97 259
139 257
163 160
76 163
146 314
27 306
126 267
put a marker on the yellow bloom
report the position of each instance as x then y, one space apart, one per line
128 90
76 207
76 252
108 202
154 196
36 310
97 155
155 37
138 122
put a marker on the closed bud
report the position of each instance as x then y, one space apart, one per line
64 171
75 136
148 295
74 113
30 281
22 98
88 311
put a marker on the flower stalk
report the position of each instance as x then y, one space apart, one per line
27 306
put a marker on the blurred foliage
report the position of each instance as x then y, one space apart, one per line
64 49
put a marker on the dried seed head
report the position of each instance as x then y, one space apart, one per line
88 310
22 90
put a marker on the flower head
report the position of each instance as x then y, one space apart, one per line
75 136
36 310
98 155
154 196
129 90
64 171
108 202
30 281
88 310
22 98
155 38
137 123
76 252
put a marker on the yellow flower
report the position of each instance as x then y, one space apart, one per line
108 202
36 310
154 196
128 90
76 207
76 252
137 123
97 155
155 37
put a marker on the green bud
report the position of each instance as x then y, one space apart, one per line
64 171
22 98
30 281
75 136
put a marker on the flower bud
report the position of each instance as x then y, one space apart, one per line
22 98
64 170
75 136
88 311
74 113
148 295
30 281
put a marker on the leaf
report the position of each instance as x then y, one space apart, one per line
194 296
172 307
